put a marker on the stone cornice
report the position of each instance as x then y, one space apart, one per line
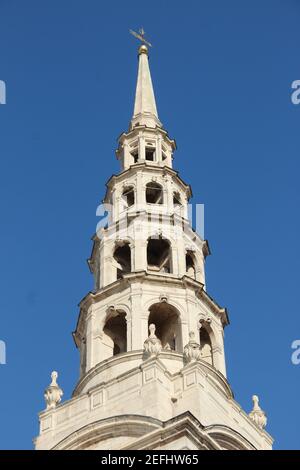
149 433
122 423
184 424
125 357
153 130
151 168
222 428
141 276
223 386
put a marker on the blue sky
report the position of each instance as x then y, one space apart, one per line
222 73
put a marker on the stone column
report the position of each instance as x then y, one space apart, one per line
109 271
180 253
90 339
140 252
185 207
169 200
116 205
129 332
144 326
175 260
218 351
142 154
169 158
184 333
136 323
158 150
140 192
126 156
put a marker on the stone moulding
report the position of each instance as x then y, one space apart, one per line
210 371
94 297
151 433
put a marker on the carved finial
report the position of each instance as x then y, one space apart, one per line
191 352
111 308
152 345
53 392
204 319
152 329
163 298
257 414
54 376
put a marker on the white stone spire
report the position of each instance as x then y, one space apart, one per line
145 111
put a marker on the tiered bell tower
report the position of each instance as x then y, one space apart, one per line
150 338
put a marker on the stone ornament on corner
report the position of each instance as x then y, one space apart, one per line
257 414
152 345
163 298
53 392
192 352
204 319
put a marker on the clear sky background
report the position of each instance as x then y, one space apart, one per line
222 73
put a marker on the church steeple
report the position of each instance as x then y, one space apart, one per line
167 389
145 111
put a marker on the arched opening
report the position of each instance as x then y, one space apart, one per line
168 326
159 255
128 196
135 155
154 193
122 257
190 264
206 346
229 439
150 154
177 202
115 330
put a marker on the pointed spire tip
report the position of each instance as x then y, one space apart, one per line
145 111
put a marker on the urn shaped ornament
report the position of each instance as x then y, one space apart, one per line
53 392
152 345
191 350
257 414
